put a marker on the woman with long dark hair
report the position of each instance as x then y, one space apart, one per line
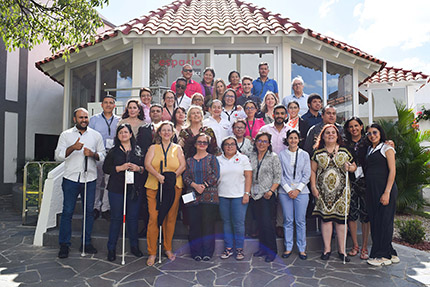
295 122
133 115
207 81
124 156
178 120
330 163
253 124
234 79
169 105
355 141
381 194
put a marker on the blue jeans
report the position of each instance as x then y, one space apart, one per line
233 215
71 190
116 201
294 210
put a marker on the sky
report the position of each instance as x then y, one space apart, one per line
395 31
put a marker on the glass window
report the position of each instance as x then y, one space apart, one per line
310 69
116 73
339 90
244 61
83 85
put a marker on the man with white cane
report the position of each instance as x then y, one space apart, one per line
74 145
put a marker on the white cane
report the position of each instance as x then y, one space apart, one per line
123 218
161 226
85 205
346 213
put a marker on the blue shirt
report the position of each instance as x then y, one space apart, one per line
303 102
106 127
312 120
260 89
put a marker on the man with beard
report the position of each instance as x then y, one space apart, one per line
182 99
79 147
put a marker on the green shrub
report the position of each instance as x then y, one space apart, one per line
411 231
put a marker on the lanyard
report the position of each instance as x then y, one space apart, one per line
259 164
107 123
229 115
178 103
165 153
295 163
249 127
240 148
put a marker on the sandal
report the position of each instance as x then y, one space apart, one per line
364 254
354 251
151 260
170 255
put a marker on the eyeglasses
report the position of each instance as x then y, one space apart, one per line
230 144
181 87
188 70
202 143
229 96
239 128
250 108
262 141
375 133
297 84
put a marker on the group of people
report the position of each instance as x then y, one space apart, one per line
234 150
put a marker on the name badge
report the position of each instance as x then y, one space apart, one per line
189 197
109 143
359 172
129 177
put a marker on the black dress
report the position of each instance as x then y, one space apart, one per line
381 216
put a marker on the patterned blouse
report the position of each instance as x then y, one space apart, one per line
263 178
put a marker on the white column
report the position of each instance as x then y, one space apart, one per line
139 67
324 82
355 92
370 101
98 82
286 70
66 98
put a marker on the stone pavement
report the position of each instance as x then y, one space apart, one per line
22 264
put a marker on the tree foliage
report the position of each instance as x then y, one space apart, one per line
62 23
412 159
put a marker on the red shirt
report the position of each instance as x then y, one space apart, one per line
238 90
192 88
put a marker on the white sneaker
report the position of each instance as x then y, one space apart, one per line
395 259
379 261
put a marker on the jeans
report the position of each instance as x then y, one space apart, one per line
233 215
294 210
116 201
202 229
101 202
71 190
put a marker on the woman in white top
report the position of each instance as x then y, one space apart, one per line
244 145
231 111
234 189
220 126
294 193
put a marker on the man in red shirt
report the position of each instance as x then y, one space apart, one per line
192 86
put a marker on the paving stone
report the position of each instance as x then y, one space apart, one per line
28 277
285 280
219 272
168 280
99 282
331 281
139 283
57 273
114 275
257 278
307 281
188 276
225 280
239 267
148 274
96 269
185 264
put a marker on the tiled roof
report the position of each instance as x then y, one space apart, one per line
206 17
390 75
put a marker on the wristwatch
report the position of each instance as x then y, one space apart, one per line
248 193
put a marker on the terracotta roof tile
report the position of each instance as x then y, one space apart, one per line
214 17
390 75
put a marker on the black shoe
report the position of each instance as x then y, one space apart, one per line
197 258
259 253
325 256
286 255
142 233
111 255
106 215
96 213
64 251
342 256
206 258
136 251
270 258
89 249
303 256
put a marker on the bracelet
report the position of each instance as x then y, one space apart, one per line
140 169
247 193
271 191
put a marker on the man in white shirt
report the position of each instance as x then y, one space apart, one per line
79 147
297 84
105 123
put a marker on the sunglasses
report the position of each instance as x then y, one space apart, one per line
375 133
181 87
202 143
187 70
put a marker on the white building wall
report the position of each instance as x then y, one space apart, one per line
44 101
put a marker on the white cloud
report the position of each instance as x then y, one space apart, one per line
332 83
387 23
326 7
414 63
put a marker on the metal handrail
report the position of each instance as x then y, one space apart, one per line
38 192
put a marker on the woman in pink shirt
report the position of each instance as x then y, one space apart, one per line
253 124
